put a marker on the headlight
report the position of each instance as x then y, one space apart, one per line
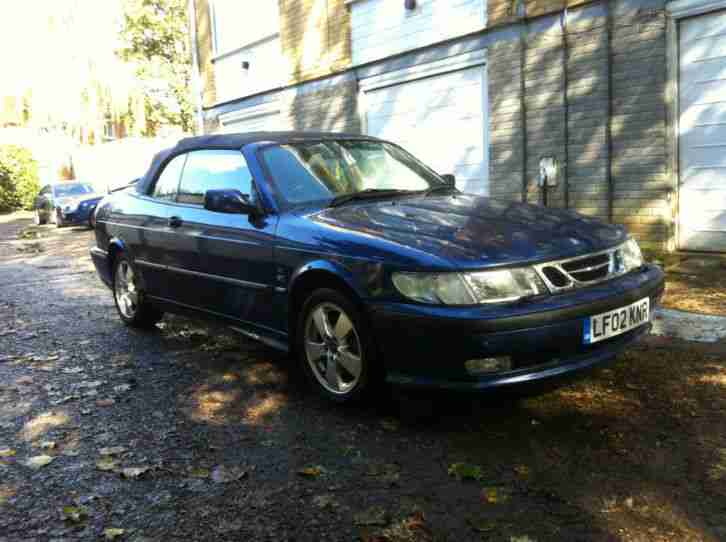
628 256
495 286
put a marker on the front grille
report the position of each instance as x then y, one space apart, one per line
580 271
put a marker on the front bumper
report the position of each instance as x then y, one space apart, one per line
427 346
80 216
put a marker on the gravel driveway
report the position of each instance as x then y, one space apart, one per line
193 433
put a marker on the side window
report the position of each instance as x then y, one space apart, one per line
213 170
168 181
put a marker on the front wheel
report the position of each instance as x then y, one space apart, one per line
133 309
335 346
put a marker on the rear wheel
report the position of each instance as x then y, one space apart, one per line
133 309
335 346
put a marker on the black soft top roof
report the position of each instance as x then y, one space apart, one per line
232 141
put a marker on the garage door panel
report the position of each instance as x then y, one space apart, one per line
440 119
702 133
416 94
702 115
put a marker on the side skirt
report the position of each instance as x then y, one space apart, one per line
270 337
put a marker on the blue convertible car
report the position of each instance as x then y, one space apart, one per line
367 265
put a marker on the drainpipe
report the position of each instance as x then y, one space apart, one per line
196 78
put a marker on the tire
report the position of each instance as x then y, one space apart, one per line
58 220
342 365
132 308
37 219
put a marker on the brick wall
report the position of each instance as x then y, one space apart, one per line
640 152
330 108
573 127
315 37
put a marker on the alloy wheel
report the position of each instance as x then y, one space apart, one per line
127 296
333 348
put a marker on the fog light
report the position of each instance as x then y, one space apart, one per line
488 365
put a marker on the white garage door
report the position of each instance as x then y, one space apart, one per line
440 119
253 119
702 138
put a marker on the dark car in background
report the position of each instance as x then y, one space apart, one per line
367 265
66 203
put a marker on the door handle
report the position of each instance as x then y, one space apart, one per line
175 222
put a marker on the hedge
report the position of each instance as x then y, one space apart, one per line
19 183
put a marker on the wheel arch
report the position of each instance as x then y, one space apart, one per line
116 246
311 277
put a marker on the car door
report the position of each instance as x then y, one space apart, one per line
229 256
142 222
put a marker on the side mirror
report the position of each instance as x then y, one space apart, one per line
228 201
449 178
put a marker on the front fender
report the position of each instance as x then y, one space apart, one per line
336 269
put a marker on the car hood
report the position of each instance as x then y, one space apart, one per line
473 231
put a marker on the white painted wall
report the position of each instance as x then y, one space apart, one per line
246 31
381 28
266 70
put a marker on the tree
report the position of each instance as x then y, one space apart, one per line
155 37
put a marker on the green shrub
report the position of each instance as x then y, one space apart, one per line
19 183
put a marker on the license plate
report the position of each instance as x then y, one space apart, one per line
617 321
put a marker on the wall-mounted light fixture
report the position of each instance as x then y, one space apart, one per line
245 65
409 4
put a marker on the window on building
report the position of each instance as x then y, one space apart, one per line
241 22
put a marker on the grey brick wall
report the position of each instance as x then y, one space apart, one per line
505 120
573 127
640 153
331 108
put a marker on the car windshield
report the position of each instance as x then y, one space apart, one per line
318 172
69 190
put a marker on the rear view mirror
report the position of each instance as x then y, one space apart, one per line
228 201
449 178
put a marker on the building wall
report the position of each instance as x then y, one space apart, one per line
592 96
203 21
315 36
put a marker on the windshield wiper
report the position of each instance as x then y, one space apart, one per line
368 193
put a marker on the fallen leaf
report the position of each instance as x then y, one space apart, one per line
375 515
325 501
494 495
7 452
133 472
222 474
390 424
47 445
112 450
24 380
522 470
311 472
198 472
73 370
39 461
105 402
112 533
106 464
122 388
466 471
75 514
